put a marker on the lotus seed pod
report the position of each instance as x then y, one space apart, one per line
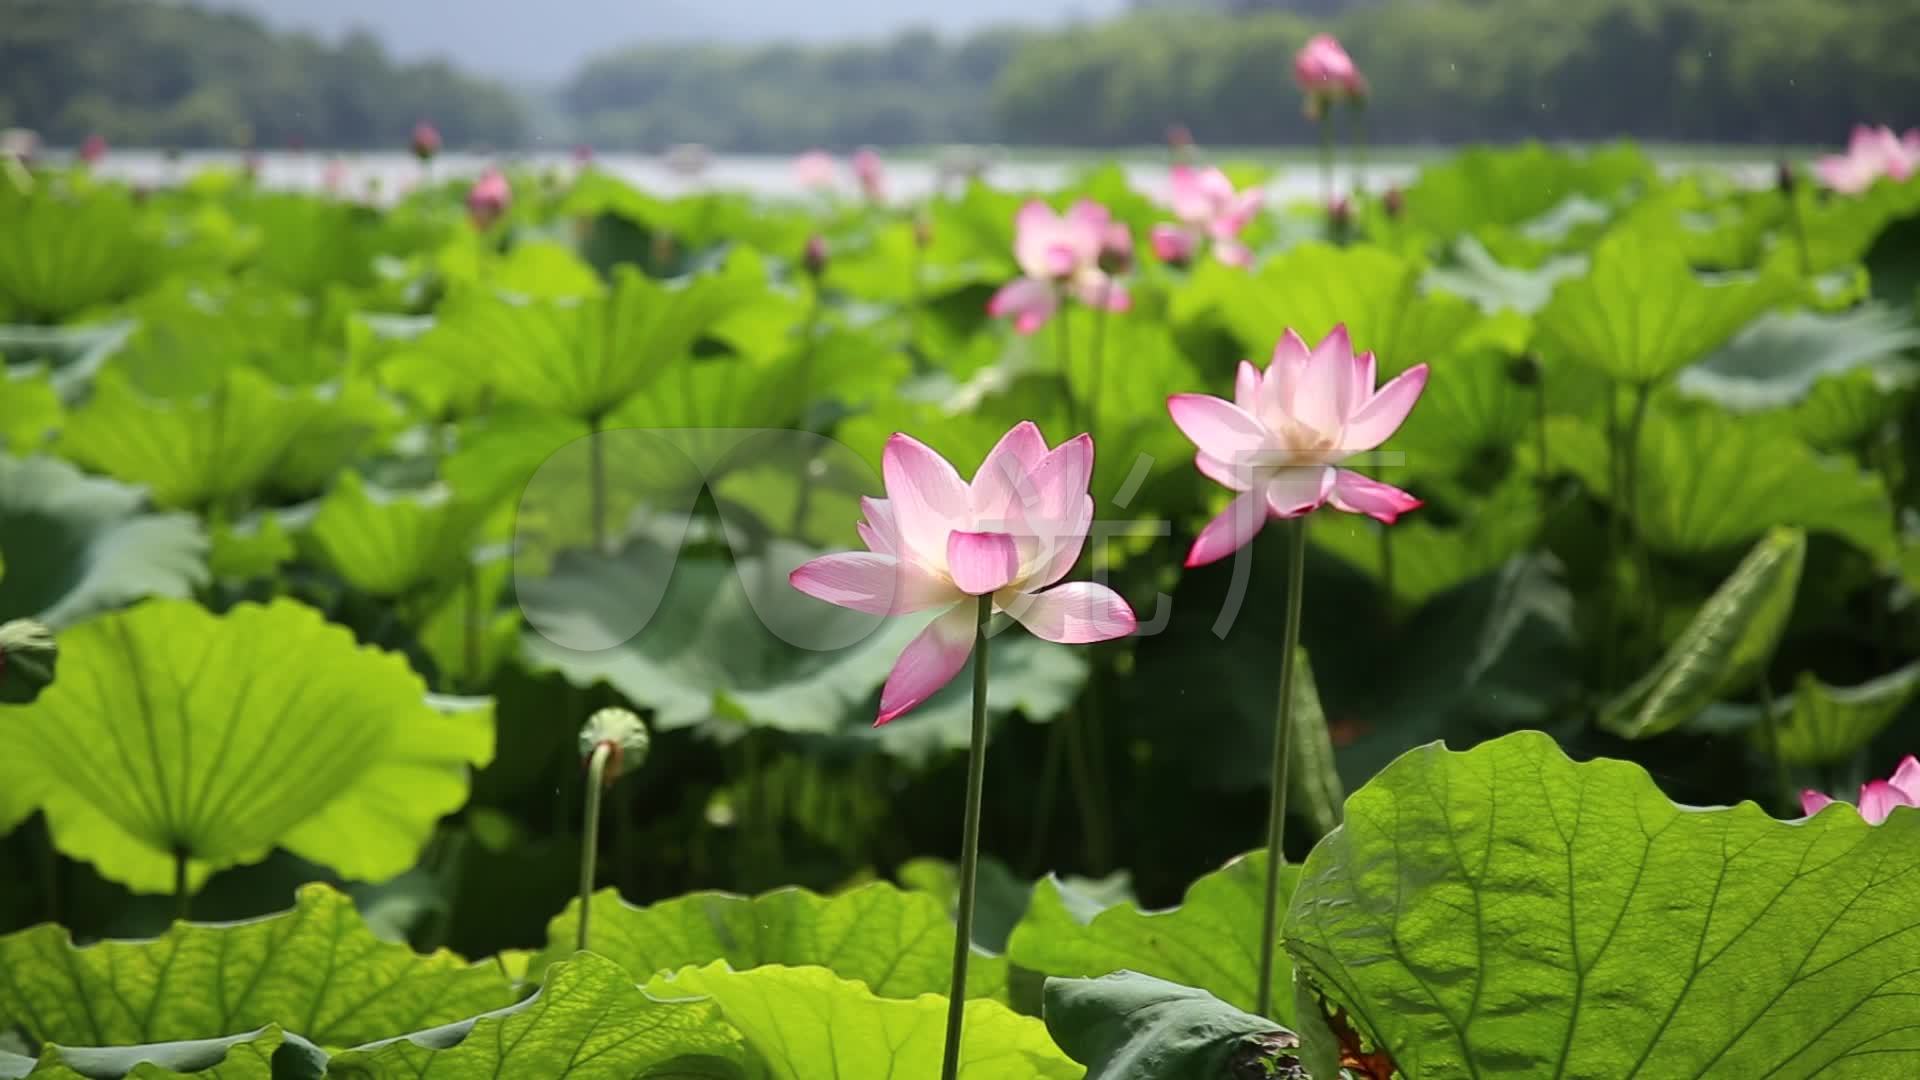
27 657
620 730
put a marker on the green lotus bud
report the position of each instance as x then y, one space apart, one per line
622 732
27 657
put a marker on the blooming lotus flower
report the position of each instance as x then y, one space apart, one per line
1877 797
937 541
93 149
489 198
1871 154
815 170
1279 440
1209 209
1060 253
872 176
426 141
1323 69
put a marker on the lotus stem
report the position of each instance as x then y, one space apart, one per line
1799 226
1282 744
597 482
1629 493
590 841
969 845
1066 364
803 501
182 895
1359 151
1094 363
1326 158
472 627
1540 431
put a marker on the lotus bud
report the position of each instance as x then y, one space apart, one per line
488 198
582 154
93 150
625 736
28 654
814 258
1116 248
426 141
1394 202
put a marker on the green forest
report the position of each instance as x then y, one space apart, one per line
1447 71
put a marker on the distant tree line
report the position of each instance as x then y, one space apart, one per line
163 74
1760 71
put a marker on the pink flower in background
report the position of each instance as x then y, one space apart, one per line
426 141
334 179
937 541
1871 154
1278 441
489 198
1175 245
872 176
1877 797
582 154
1323 69
1210 210
815 170
93 149
1059 253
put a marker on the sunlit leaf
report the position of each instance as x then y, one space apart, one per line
173 733
392 543
1779 358
316 968
804 1023
1507 912
1824 725
899 944
69 252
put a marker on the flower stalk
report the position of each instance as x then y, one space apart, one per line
969 845
612 740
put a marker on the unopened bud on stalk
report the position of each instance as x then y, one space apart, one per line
922 233
28 654
426 141
1784 178
1394 202
814 257
622 733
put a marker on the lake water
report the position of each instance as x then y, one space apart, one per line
907 178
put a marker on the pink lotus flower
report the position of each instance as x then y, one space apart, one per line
93 149
1323 69
872 176
937 541
1174 244
1060 253
334 179
1877 797
815 170
489 198
1210 210
1871 154
582 154
1278 441
426 141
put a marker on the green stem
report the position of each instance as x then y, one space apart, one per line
1066 363
1629 493
1610 640
590 841
1282 742
969 845
182 896
1540 430
1326 158
804 500
1799 225
1094 363
597 480
1359 150
473 628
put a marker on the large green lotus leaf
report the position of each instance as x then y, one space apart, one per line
1001 898
1841 411
581 357
1724 647
69 356
1507 912
69 251
392 543
173 730
342 420
1129 1026
1777 360
588 1022
697 638
1477 276
1641 313
1313 287
538 268
1486 186
1824 725
316 969
1840 230
900 944
268 1053
471 634
221 448
1472 409
187 336
76 544
30 410
806 1023
1429 559
1212 940
1710 482
309 244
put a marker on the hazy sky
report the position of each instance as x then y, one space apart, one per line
544 39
